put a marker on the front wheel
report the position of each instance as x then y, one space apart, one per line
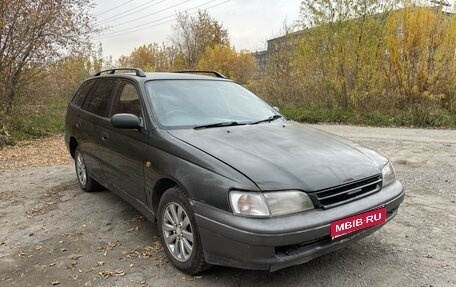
86 182
178 232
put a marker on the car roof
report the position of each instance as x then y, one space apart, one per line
141 76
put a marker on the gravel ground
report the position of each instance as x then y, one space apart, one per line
55 234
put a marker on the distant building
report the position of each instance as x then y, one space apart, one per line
261 58
276 45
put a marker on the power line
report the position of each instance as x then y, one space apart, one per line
161 23
109 10
134 29
122 14
127 30
156 12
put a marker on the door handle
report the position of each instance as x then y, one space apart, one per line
104 136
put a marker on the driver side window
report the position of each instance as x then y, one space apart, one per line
127 100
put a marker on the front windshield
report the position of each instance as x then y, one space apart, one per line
190 103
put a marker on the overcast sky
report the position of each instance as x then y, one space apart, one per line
135 22
249 22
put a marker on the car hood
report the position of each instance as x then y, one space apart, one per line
283 155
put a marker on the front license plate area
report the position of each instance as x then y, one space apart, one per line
357 222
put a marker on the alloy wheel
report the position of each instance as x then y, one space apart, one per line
81 169
177 232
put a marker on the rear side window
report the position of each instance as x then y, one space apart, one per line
127 100
82 92
98 101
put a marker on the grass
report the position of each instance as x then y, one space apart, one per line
38 121
48 119
438 119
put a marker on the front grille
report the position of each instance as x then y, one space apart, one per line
341 194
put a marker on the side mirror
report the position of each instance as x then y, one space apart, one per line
277 109
126 121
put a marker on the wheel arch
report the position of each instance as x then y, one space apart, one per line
159 189
73 144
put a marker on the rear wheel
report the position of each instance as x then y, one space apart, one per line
86 182
178 232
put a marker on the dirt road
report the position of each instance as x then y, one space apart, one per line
54 233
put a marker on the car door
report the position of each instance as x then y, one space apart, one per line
124 168
91 122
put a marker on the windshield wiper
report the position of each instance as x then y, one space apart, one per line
270 119
217 125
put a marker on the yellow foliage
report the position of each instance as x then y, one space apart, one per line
239 66
420 45
360 59
152 57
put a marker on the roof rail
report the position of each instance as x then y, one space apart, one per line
139 72
216 74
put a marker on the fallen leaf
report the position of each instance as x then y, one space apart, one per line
41 152
23 254
140 218
99 263
119 273
108 273
133 229
55 282
108 246
10 196
105 273
72 266
68 234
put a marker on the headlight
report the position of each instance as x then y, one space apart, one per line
257 204
388 174
249 203
285 202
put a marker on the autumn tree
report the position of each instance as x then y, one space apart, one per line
152 57
35 34
341 48
75 68
193 34
239 66
420 62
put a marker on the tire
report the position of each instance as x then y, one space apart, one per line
86 182
178 229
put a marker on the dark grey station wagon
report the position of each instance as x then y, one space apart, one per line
229 180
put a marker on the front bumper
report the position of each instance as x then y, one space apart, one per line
279 242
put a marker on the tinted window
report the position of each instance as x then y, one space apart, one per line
127 101
179 103
82 92
99 99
